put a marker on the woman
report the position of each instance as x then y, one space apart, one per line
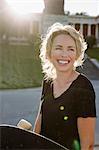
67 114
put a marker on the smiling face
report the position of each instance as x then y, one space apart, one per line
63 53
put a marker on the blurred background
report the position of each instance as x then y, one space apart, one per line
23 23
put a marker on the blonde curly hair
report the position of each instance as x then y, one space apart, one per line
46 46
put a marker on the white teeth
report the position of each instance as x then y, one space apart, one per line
63 62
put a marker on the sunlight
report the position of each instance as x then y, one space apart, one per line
26 6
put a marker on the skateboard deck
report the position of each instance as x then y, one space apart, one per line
12 137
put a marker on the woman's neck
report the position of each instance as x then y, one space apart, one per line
63 78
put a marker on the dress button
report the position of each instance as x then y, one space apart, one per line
61 107
65 118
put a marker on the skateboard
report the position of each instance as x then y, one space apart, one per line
12 138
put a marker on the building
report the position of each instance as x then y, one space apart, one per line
15 29
18 30
88 25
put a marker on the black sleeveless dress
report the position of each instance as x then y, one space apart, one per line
59 115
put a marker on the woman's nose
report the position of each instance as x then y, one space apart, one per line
64 53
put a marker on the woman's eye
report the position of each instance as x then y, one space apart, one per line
57 48
72 49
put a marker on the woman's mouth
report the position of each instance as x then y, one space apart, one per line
63 62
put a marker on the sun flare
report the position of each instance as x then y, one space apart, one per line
26 6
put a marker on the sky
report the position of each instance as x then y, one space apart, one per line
91 7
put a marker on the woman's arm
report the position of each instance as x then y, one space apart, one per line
37 125
86 129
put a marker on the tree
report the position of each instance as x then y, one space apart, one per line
91 41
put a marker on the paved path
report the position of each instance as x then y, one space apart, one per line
96 87
18 104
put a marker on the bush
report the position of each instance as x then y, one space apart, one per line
91 41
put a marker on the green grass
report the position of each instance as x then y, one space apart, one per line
19 67
93 53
